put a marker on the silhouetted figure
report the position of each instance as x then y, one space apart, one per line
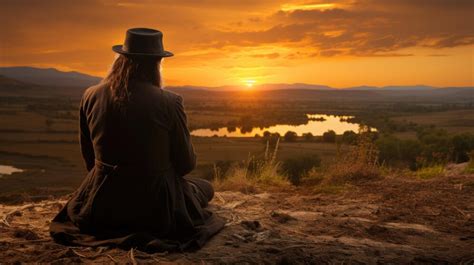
137 149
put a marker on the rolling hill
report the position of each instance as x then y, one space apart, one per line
48 76
38 82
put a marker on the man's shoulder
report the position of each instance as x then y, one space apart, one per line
170 95
156 92
94 90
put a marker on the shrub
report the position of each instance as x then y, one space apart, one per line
470 166
358 165
462 144
349 137
253 174
393 151
290 136
329 136
433 147
296 168
308 137
236 179
215 170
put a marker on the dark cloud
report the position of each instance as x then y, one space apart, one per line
367 27
79 34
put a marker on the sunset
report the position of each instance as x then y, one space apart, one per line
338 43
237 132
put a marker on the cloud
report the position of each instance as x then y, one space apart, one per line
216 33
365 27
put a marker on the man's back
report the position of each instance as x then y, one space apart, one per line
133 133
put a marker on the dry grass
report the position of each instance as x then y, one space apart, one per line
430 172
253 175
358 165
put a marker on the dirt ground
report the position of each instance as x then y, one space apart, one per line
391 221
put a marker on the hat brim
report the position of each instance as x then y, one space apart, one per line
119 49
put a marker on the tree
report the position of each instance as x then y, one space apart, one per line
290 136
308 137
462 144
349 137
329 136
270 138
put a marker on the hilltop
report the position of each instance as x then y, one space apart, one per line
393 220
49 76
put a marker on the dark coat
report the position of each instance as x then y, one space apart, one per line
135 193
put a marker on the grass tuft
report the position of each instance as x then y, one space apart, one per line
430 172
253 175
358 165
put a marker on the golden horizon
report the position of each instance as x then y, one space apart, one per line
340 43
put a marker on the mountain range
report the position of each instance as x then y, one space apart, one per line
48 76
51 77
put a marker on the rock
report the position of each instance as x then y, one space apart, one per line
26 234
376 230
272 250
252 225
282 217
239 237
262 236
16 213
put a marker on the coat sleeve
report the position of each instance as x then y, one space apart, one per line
85 141
183 156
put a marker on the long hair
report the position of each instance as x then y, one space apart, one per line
128 68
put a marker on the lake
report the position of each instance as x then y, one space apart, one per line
8 170
317 125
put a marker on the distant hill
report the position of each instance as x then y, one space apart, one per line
11 83
395 88
14 88
264 87
48 76
54 78
38 82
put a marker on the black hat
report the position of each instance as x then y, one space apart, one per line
143 42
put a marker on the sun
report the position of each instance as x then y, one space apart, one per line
249 83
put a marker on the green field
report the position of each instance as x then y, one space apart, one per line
39 134
455 121
50 155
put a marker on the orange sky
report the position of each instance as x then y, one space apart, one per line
338 43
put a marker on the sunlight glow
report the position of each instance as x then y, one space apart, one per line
249 83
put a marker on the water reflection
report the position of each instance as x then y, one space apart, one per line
8 170
317 125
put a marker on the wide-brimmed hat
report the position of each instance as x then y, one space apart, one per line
143 42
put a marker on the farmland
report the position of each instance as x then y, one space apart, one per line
39 132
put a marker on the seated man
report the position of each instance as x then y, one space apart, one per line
137 149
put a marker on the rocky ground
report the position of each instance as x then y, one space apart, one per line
395 220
